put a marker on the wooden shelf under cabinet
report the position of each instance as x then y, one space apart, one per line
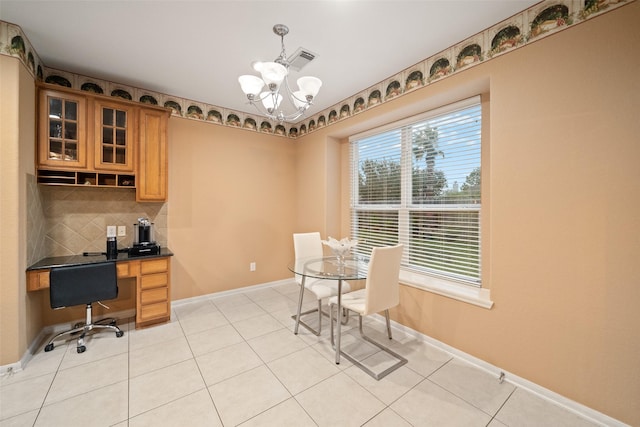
58 177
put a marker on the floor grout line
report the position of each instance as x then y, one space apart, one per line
236 302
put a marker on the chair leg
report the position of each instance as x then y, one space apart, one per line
345 316
378 376
345 320
299 314
319 316
72 331
83 329
333 344
386 315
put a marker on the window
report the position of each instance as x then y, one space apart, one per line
417 182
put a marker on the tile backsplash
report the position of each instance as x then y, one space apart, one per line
76 218
36 223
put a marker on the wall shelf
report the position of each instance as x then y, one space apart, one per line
86 178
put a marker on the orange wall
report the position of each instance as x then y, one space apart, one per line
19 313
565 245
560 212
231 202
311 188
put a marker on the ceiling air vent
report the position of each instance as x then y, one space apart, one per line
300 59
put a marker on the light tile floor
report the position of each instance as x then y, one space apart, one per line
234 360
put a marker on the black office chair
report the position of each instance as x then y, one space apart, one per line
83 284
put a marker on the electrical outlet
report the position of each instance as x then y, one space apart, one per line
122 230
252 266
111 231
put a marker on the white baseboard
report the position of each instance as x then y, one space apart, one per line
544 393
223 294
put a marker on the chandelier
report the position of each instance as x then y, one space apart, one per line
274 77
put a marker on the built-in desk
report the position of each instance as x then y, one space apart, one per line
152 274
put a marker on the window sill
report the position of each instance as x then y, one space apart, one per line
448 288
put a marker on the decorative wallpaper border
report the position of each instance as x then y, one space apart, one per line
541 20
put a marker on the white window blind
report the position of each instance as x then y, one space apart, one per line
417 182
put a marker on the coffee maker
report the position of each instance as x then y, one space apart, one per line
143 240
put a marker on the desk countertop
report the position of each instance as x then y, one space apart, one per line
58 261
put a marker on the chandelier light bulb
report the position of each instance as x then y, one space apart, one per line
250 85
270 100
272 73
299 99
310 86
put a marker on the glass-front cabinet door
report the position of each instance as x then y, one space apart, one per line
114 136
62 133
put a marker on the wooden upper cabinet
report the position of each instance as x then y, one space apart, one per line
152 175
114 136
92 139
62 130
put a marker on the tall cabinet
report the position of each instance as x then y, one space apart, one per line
95 140
153 164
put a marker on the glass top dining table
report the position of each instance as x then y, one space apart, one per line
332 268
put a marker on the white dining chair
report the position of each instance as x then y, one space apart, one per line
309 245
381 292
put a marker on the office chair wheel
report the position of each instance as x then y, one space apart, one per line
81 349
119 334
48 347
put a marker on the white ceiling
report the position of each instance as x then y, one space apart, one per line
197 49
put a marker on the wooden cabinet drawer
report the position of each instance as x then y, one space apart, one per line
152 311
154 280
154 295
123 269
154 266
37 280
